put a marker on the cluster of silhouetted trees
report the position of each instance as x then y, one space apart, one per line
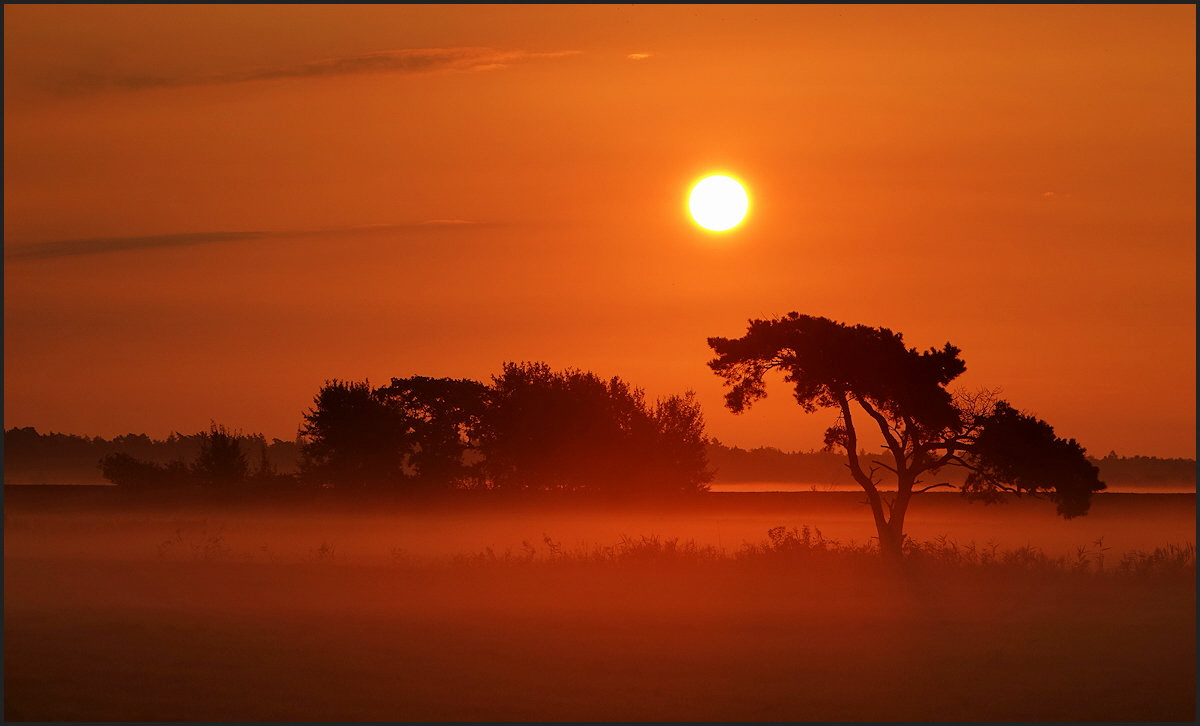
531 429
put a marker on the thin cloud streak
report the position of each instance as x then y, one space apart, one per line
405 61
103 245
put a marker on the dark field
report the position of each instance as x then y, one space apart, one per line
124 613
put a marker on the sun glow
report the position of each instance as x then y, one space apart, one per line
718 203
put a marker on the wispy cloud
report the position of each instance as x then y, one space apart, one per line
638 56
101 245
405 61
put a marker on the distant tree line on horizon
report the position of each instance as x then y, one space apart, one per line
56 458
770 464
31 457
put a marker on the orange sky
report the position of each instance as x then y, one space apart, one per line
210 210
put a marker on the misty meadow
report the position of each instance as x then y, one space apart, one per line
726 610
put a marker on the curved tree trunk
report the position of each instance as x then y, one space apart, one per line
889 521
890 526
889 529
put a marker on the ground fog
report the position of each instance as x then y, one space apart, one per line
520 612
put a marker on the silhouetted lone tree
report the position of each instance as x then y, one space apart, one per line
903 393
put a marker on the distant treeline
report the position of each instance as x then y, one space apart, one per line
767 464
55 458
1135 470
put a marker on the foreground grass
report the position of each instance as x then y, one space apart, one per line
794 627
783 546
807 546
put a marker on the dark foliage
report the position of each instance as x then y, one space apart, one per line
573 431
826 361
680 454
353 437
221 462
533 429
411 436
1019 452
135 474
443 416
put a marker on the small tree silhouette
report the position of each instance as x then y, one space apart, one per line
221 461
134 474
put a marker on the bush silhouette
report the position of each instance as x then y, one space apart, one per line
221 462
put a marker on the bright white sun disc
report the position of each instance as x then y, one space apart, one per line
718 203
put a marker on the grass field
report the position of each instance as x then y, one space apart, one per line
535 614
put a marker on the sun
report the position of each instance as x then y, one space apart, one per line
718 203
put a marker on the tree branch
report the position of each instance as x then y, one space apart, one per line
948 457
871 473
852 446
885 466
885 428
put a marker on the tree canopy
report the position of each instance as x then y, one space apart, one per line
221 461
903 393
